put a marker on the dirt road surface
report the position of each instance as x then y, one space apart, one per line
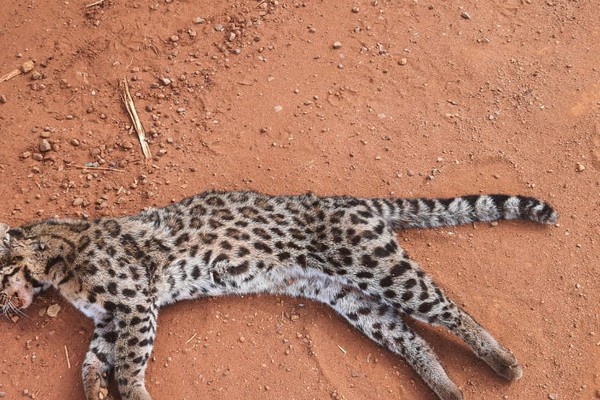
365 98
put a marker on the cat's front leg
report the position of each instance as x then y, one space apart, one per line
99 360
133 347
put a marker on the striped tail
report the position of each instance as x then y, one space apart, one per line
431 213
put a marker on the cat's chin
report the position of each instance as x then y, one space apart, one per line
22 298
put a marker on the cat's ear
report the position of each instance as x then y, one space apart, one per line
8 235
5 237
4 234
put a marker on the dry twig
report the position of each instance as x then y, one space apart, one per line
10 75
135 119
25 68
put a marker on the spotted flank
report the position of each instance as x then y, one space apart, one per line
340 251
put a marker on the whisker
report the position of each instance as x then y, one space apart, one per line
8 308
6 312
15 310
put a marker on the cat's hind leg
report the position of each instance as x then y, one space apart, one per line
378 320
414 293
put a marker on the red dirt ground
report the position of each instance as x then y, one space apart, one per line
434 98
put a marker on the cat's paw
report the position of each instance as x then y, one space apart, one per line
450 393
506 365
95 384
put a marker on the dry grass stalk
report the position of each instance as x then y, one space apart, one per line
135 119
192 338
97 168
96 3
67 355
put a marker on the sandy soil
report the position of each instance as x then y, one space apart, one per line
421 99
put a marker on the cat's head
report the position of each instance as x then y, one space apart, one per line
20 271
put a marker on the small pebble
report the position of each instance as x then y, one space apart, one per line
74 142
219 28
198 20
45 145
27 66
165 81
53 310
337 45
174 38
465 15
402 61
77 201
355 10
580 167
2 99
278 108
